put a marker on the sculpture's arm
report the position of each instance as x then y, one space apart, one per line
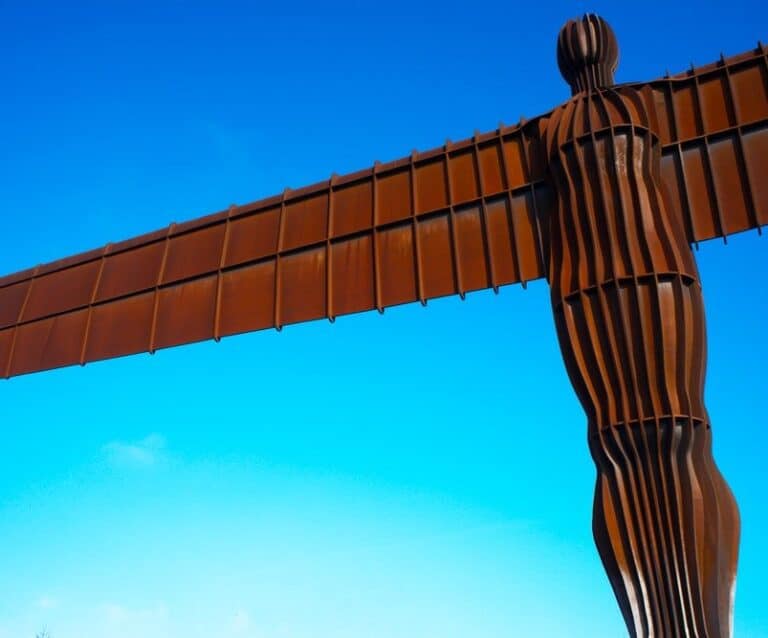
459 218
713 123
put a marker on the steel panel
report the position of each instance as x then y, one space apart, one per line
120 327
305 222
248 298
352 208
395 249
393 197
11 302
185 313
430 186
491 168
49 343
192 253
729 187
60 291
253 237
463 177
7 338
471 239
436 257
750 85
301 292
130 271
501 242
352 276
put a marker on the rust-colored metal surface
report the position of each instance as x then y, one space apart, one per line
629 315
462 217
603 196
459 218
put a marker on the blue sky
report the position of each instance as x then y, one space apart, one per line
423 473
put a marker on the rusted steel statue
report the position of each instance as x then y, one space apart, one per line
603 196
630 319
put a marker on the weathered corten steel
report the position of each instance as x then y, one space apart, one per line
603 196
630 319
462 217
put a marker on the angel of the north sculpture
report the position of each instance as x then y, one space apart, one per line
603 196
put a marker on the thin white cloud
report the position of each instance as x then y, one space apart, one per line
116 614
241 622
117 620
47 602
147 451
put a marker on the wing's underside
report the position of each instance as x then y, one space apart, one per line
459 218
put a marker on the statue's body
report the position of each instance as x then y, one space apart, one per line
629 314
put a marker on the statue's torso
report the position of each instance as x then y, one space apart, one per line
612 219
623 278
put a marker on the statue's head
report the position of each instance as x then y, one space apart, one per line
587 53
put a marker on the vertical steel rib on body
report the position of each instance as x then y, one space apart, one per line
629 314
